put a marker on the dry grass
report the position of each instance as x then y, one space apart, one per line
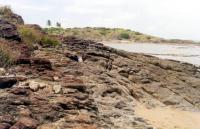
7 14
8 56
103 34
5 10
31 36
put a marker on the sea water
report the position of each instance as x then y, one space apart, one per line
189 53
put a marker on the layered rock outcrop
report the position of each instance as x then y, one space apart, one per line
96 89
8 31
12 18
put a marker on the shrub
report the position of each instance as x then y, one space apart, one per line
54 31
138 33
47 41
7 55
103 32
148 37
124 36
29 35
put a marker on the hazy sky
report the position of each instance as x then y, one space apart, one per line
164 18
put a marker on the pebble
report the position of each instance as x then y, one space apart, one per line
48 126
34 86
55 78
80 59
2 71
26 123
25 112
42 85
57 89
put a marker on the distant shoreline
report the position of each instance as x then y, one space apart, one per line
132 42
180 52
119 35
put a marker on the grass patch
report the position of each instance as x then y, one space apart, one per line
5 11
7 14
49 42
8 56
124 36
31 36
102 33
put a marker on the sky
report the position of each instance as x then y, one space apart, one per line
173 19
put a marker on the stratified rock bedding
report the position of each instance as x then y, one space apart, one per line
8 31
86 85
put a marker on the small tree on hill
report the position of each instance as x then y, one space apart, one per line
58 24
49 23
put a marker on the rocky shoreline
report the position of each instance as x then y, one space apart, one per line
81 84
54 89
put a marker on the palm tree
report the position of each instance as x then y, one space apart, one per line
59 27
58 24
49 23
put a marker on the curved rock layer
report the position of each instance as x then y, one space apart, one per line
8 31
86 85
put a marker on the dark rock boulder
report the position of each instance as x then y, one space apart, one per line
4 126
7 82
8 31
7 119
17 19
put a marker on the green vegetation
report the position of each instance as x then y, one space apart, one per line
47 41
7 55
124 36
30 35
103 34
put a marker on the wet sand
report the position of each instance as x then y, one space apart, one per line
169 118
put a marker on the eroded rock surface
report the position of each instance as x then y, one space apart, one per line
13 18
98 92
8 31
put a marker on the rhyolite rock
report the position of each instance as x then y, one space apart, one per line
25 123
57 89
12 18
2 71
34 86
8 31
7 82
101 92
5 126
